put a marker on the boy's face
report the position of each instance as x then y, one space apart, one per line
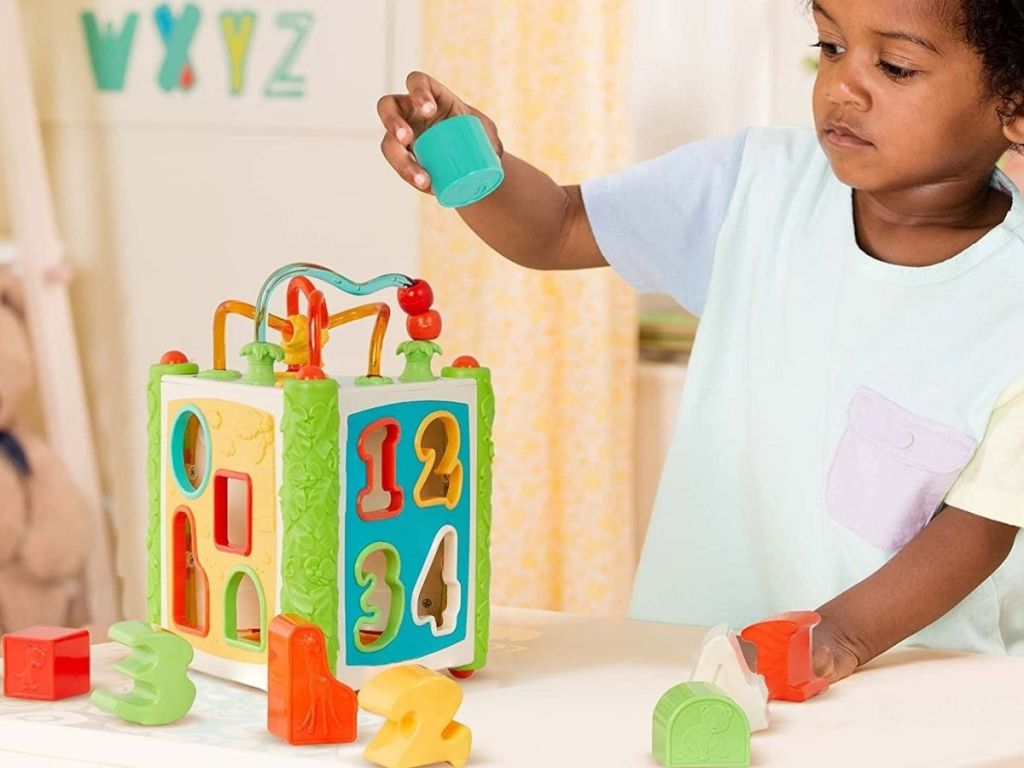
897 76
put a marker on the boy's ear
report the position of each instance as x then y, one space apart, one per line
1014 130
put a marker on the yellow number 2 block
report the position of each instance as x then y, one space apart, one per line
419 706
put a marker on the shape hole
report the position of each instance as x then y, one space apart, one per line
381 497
191 591
437 446
244 611
190 452
435 437
382 600
438 595
376 563
232 512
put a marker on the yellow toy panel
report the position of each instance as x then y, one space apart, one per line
220 514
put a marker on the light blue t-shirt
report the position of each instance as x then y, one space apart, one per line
832 399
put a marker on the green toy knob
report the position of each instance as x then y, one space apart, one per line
461 161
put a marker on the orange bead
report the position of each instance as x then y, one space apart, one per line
465 361
425 326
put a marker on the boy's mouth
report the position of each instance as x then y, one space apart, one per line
842 135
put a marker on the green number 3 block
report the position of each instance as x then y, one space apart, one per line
158 666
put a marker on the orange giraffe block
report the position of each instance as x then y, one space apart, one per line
419 705
784 655
306 704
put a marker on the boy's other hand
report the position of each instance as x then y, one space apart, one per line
406 115
835 656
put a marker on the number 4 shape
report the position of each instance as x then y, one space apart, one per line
438 595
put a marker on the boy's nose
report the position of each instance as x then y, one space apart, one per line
846 88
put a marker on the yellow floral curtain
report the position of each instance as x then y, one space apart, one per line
553 74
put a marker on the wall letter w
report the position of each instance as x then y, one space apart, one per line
109 50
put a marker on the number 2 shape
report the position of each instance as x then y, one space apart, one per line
420 707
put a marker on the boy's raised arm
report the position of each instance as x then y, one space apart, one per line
529 219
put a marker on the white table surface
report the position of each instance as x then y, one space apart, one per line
569 691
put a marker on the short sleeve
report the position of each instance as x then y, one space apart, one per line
992 483
657 223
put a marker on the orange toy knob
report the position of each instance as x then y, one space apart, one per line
310 373
173 357
425 326
465 361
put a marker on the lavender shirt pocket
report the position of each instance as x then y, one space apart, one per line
891 470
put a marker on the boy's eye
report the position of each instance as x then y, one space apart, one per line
829 49
897 73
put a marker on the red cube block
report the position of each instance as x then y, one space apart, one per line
47 663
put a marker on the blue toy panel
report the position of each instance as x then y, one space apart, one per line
412 531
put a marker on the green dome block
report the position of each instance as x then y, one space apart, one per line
696 724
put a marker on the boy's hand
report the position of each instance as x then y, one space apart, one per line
406 115
835 656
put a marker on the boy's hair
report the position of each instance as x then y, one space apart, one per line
995 29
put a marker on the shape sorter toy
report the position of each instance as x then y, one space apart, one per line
360 505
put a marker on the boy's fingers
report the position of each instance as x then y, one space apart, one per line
392 116
424 92
403 162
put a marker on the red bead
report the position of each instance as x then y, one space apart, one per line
310 373
173 357
461 674
417 298
465 361
425 326
46 663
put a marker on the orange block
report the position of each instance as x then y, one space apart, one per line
306 704
784 655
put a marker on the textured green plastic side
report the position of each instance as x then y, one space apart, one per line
309 506
696 724
153 472
484 463
158 666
